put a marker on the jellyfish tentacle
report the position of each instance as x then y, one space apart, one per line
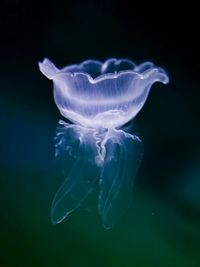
83 175
123 156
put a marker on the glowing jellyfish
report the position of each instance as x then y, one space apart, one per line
99 98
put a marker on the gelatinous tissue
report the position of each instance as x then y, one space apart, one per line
99 99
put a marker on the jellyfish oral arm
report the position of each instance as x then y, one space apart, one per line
74 141
108 159
122 159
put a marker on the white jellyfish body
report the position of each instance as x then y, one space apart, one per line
99 98
108 100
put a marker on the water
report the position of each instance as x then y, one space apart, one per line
161 228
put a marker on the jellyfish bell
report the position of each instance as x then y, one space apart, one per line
99 98
95 94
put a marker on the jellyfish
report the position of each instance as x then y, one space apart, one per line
99 99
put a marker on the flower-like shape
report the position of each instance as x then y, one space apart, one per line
95 94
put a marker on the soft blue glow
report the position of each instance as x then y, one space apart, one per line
99 98
95 94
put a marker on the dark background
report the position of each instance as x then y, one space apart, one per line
162 228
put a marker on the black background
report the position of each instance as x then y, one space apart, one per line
69 32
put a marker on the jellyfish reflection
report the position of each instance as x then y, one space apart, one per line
99 98
107 157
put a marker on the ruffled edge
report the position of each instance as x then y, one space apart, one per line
141 71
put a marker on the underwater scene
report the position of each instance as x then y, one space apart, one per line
100 148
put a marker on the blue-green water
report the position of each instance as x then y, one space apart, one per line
161 228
